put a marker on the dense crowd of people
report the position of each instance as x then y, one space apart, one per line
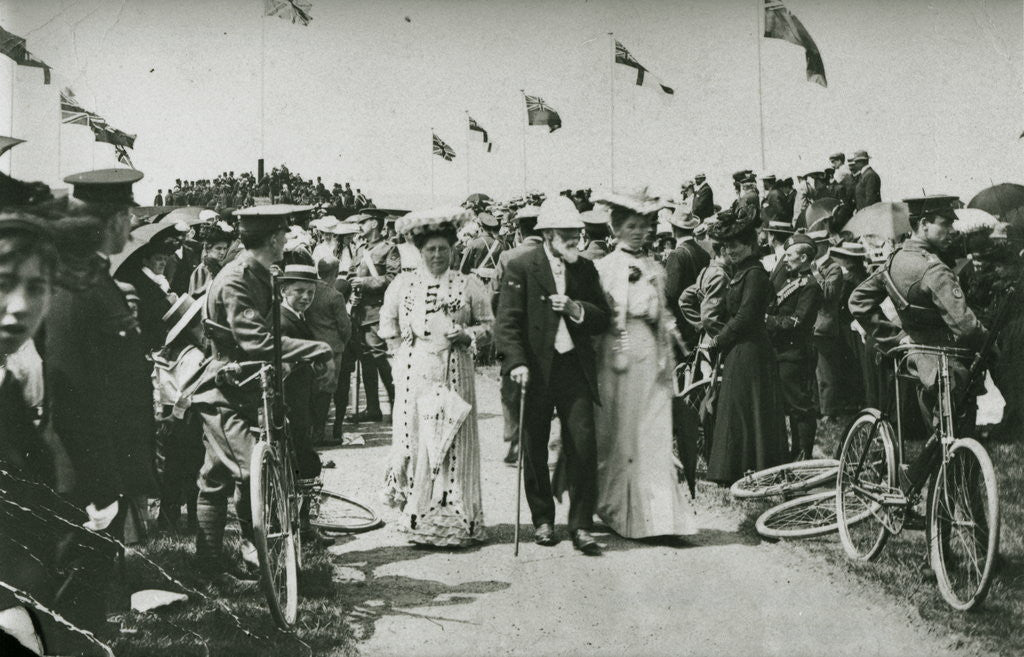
112 386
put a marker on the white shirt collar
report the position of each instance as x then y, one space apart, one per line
160 280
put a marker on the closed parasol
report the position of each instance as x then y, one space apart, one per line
883 219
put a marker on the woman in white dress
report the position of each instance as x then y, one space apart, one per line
432 318
639 491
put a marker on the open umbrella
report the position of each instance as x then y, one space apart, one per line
384 212
819 212
188 215
883 219
473 199
139 238
999 200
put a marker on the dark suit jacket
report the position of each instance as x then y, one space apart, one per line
703 202
869 188
100 392
153 305
525 326
682 266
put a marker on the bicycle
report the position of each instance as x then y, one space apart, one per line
695 382
962 503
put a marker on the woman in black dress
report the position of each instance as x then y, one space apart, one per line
750 432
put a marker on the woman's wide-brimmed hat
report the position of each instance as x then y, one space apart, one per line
638 201
558 213
182 312
732 227
427 221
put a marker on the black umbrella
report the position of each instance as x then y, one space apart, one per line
477 198
999 200
139 238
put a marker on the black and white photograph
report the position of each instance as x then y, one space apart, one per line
373 328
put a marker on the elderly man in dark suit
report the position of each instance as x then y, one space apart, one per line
868 189
551 304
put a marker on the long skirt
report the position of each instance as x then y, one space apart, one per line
750 430
639 493
440 506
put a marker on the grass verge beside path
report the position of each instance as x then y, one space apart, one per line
899 571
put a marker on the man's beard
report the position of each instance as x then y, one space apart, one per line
566 252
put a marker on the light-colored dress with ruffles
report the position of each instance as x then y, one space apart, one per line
639 492
441 507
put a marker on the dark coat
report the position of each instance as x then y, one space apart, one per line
525 326
179 270
682 266
829 276
153 305
100 391
703 201
869 188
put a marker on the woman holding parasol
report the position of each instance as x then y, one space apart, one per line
432 317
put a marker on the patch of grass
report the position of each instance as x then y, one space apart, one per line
900 570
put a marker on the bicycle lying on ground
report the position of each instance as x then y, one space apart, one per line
962 508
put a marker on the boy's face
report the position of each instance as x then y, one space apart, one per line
299 295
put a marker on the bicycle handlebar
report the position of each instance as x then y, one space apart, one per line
908 349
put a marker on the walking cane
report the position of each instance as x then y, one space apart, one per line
519 464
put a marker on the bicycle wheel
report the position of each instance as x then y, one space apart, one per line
963 524
803 517
274 536
786 479
867 469
337 513
693 397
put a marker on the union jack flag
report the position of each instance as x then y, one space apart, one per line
475 127
624 57
539 113
443 150
70 110
295 10
122 156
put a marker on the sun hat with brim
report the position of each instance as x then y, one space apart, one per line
783 227
594 218
298 273
683 219
435 219
363 216
638 201
342 228
558 213
527 212
182 312
850 250
323 224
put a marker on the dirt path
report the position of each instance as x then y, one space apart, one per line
725 594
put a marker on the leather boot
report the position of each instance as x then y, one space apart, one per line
804 433
210 522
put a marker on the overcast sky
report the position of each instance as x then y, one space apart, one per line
933 90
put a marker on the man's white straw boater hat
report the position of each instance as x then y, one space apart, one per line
428 221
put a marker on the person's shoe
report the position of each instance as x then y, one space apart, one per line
544 535
368 416
585 543
250 557
512 455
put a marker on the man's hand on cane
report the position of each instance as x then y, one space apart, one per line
520 375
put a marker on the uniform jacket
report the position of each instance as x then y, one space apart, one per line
100 391
829 277
530 242
869 188
525 326
703 201
682 266
388 263
476 253
791 316
703 303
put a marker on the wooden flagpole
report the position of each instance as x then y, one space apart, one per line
760 92
611 117
468 192
263 75
432 197
526 119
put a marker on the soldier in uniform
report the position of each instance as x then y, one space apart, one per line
682 267
929 301
484 249
374 267
239 324
98 379
790 322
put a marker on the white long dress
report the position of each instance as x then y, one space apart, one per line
638 489
442 506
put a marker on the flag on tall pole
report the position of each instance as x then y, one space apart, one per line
443 150
297 11
13 46
475 127
643 76
540 113
779 23
71 111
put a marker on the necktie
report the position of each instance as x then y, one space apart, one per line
563 341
